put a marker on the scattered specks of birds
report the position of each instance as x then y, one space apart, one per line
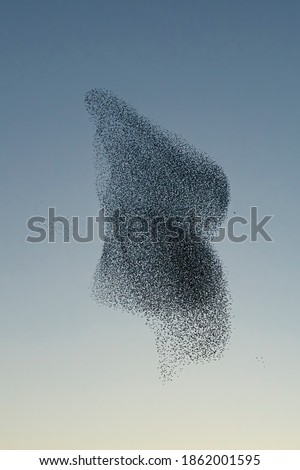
261 361
179 288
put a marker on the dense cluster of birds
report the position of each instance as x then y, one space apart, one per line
177 284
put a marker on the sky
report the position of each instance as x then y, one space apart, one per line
224 75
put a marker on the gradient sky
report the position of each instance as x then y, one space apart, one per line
225 75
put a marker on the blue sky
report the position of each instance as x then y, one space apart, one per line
225 76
